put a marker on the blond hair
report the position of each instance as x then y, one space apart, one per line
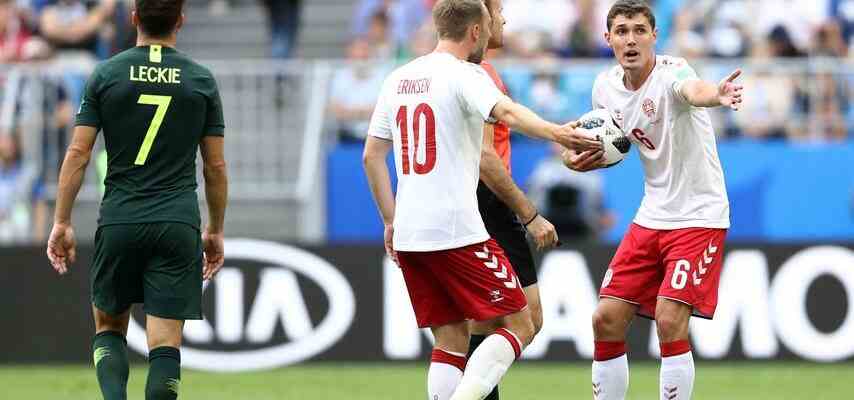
453 17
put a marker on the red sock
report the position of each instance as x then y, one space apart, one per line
517 347
675 348
604 351
441 356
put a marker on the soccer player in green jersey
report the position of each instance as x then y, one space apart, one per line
156 108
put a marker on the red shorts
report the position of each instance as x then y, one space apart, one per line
473 282
680 264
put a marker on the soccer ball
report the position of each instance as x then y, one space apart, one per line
598 123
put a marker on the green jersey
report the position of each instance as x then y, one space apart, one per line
154 105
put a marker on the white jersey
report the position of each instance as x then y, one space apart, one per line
684 183
433 109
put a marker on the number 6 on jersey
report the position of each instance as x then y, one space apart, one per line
430 121
162 103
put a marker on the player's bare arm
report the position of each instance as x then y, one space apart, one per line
216 191
499 181
373 158
61 245
526 121
726 93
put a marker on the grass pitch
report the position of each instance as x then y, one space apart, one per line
540 381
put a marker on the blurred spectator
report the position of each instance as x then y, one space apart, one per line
284 16
404 16
842 11
23 211
538 25
711 28
587 36
770 108
800 18
545 96
572 201
665 15
772 95
828 41
379 36
825 104
16 42
424 41
780 44
355 88
76 25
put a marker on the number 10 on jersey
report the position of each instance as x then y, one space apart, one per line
421 111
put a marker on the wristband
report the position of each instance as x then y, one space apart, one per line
531 220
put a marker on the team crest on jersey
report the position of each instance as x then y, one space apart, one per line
607 279
648 108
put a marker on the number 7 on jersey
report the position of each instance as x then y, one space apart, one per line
162 103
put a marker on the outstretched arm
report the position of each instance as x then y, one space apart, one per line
706 94
522 119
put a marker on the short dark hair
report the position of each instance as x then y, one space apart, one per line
453 17
629 8
157 18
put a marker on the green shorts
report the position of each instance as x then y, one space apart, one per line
157 264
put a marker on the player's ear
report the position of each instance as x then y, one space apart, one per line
608 39
475 32
134 19
180 23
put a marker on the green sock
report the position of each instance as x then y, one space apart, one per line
109 351
164 374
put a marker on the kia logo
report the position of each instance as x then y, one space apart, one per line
277 302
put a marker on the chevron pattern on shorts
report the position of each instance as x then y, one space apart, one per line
708 258
500 271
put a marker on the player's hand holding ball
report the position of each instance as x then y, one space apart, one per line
61 247
584 161
614 144
576 139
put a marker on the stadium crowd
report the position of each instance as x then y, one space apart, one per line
806 100
67 34
804 104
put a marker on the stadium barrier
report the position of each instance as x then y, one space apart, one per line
275 304
778 192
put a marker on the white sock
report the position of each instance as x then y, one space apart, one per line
487 365
446 370
677 377
611 378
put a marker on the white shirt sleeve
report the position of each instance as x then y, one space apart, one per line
380 123
478 94
597 99
676 75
